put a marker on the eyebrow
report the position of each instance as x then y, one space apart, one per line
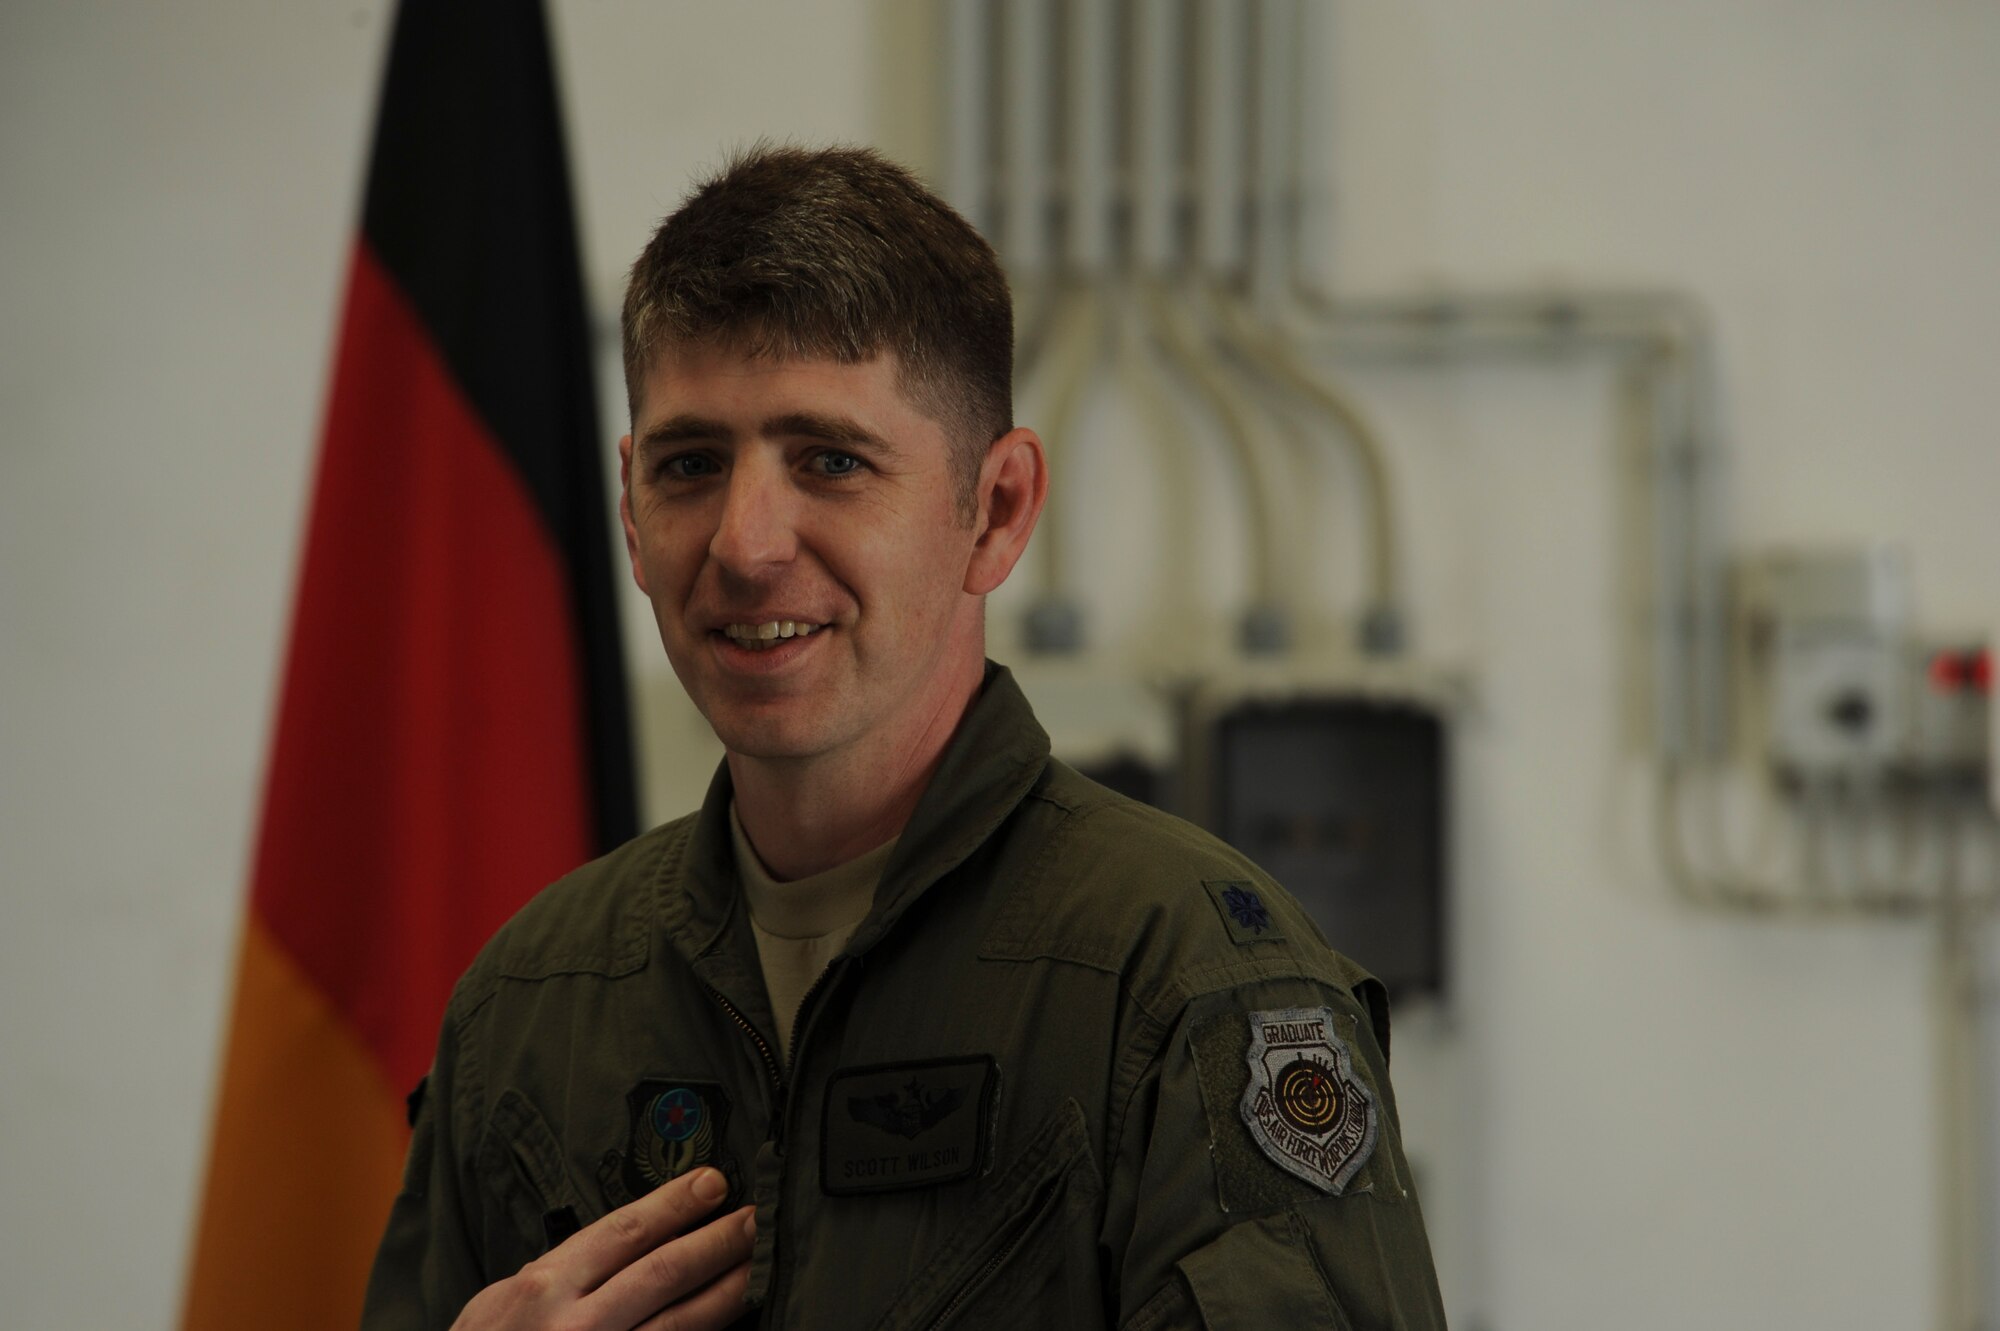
683 430
832 429
844 430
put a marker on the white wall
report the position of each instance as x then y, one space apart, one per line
1633 1116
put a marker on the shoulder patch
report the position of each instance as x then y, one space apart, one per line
1304 1106
1243 911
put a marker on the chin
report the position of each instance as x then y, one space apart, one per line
766 739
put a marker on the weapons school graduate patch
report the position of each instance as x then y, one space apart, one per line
1304 1106
906 1125
676 1125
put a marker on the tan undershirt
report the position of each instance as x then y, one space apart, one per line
802 925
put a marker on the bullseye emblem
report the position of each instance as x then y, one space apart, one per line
1305 1107
1308 1097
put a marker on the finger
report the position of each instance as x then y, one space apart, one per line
601 1250
714 1307
675 1270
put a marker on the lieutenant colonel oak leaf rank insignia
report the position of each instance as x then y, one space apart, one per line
1245 914
1304 1106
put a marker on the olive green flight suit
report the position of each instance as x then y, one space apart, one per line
1028 1094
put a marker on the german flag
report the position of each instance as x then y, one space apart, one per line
452 733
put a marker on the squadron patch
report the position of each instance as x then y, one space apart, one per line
676 1125
1304 1106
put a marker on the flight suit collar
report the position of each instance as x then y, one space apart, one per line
996 757
997 754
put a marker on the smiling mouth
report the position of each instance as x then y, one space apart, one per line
762 637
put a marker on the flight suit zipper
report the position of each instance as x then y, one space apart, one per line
780 1090
799 1024
763 1050
781 1117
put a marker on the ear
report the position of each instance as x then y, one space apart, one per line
625 512
1013 485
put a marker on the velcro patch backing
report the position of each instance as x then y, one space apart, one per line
1304 1106
1249 1178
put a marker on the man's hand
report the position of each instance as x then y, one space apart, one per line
638 1267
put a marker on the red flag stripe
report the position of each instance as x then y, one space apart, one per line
428 773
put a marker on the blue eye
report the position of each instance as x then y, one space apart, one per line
837 464
688 466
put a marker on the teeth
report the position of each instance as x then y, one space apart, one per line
757 636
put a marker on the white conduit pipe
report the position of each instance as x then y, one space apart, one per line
1093 92
1665 335
1221 135
1717 878
1159 90
1074 352
1181 346
1038 313
1028 49
1962 1157
1273 355
968 100
1274 167
1146 382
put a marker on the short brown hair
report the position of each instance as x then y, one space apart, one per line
834 253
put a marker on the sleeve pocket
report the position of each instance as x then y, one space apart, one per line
1261 1274
521 1164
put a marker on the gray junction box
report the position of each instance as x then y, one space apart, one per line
1342 800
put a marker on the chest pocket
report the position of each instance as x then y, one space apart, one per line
531 1205
1027 1256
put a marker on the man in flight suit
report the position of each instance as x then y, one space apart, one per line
910 1025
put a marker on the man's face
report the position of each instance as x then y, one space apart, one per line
807 500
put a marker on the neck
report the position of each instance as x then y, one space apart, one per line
806 815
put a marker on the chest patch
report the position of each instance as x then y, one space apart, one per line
1304 1106
676 1125
907 1125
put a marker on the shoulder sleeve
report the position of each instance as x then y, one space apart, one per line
1262 1170
427 1268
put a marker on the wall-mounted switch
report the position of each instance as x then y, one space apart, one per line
1829 641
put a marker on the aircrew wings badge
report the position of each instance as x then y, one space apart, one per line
1304 1105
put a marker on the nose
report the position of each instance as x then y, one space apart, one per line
754 532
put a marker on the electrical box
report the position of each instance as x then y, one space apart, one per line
1829 631
1342 800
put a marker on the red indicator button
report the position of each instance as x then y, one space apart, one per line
1970 671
